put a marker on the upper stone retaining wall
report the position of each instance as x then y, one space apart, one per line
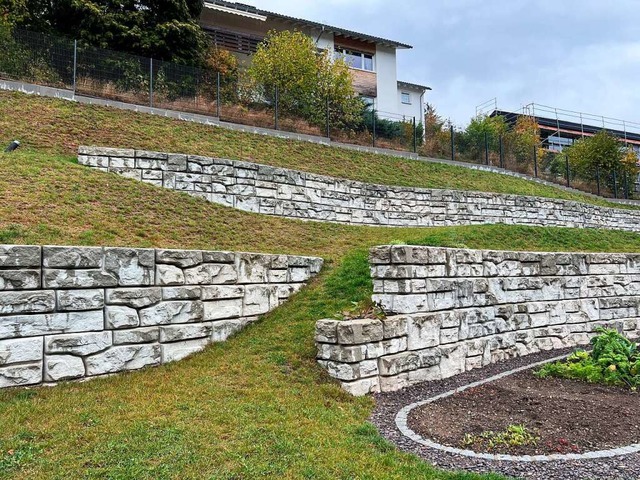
74 312
292 194
457 310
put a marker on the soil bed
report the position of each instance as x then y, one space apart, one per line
567 416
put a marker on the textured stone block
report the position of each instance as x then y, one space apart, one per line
223 309
327 331
58 368
118 317
91 278
134 297
136 336
423 331
27 302
182 293
259 299
121 358
177 333
179 258
72 257
19 279
131 267
222 330
79 300
50 324
222 292
20 351
21 375
19 256
351 371
169 275
172 352
166 313
79 344
211 274
355 332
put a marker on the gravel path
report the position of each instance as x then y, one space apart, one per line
389 404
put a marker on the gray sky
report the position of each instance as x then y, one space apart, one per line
581 55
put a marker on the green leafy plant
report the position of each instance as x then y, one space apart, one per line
512 436
614 360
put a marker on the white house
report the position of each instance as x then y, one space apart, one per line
240 28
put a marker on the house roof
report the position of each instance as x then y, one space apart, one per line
250 11
413 86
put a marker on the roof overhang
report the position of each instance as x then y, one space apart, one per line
235 11
413 86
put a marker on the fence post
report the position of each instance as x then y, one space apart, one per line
373 118
598 179
566 162
415 136
277 106
218 99
328 120
626 186
486 148
615 184
75 66
535 160
501 153
151 82
453 143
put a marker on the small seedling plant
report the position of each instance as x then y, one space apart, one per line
512 436
614 360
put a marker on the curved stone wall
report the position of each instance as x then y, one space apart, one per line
73 312
453 310
293 194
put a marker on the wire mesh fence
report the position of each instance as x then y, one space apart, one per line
95 72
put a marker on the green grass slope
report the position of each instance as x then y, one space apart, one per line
59 127
254 407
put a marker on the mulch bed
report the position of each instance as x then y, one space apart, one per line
626 467
567 416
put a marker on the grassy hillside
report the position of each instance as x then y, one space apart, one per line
257 406
58 127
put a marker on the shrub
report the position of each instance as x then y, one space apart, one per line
614 360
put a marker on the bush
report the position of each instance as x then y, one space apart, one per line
614 360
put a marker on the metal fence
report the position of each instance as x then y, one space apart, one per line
95 72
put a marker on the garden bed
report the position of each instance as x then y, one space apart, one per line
558 416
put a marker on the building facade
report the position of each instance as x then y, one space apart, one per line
240 28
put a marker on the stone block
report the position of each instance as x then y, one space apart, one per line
72 257
79 344
327 331
17 326
119 317
39 301
130 266
21 375
222 292
136 336
173 352
252 268
259 299
351 371
58 368
134 297
211 274
20 256
224 329
394 327
177 333
169 275
181 293
362 387
172 312
121 358
20 351
179 258
79 300
424 331
223 309
354 332
218 257
91 278
19 279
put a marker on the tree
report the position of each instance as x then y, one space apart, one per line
479 128
162 29
305 80
437 141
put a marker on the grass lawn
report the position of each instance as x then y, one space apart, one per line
58 127
257 406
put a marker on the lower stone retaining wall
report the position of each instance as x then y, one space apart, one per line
292 194
453 310
73 312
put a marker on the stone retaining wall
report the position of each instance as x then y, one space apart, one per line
292 194
74 312
453 310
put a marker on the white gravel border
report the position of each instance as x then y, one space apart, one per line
403 415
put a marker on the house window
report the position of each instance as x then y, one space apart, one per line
355 59
406 98
368 101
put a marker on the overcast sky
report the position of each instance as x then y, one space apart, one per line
581 55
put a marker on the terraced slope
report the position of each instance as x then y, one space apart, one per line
255 407
59 127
